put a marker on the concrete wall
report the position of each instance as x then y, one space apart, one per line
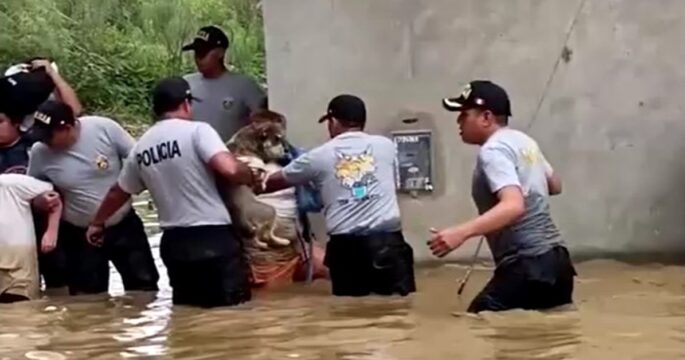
609 114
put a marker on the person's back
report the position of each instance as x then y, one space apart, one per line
357 183
177 160
367 253
170 155
535 232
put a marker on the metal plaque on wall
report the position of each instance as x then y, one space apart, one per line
414 167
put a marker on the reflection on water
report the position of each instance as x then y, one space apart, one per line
624 312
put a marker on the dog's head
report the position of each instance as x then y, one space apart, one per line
262 139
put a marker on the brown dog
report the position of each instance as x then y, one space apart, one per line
255 144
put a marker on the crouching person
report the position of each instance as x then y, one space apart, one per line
19 277
178 161
367 253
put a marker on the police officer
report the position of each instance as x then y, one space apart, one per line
511 187
228 98
354 171
82 157
179 160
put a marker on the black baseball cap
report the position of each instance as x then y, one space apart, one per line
169 93
208 38
51 115
480 94
347 108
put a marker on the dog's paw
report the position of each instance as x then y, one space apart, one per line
280 241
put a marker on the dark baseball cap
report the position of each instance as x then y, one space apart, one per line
208 38
169 93
51 115
480 94
347 108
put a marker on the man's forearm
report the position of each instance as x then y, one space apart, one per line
54 216
66 93
114 200
275 182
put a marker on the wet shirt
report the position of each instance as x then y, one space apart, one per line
512 158
355 174
171 161
16 220
14 159
226 102
85 172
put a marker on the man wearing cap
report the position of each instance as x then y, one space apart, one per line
354 171
20 95
179 161
511 187
83 157
227 98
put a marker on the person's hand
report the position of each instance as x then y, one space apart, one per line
95 234
38 63
48 242
258 180
47 201
442 242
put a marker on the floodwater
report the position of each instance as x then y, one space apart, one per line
621 312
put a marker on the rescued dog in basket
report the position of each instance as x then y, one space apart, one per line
256 144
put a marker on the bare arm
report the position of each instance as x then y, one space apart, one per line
64 91
275 182
230 169
49 239
510 208
554 184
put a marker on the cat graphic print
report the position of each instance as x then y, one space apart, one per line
356 172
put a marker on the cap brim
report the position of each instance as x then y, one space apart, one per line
40 133
197 44
324 118
453 104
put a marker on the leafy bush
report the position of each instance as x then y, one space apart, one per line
113 51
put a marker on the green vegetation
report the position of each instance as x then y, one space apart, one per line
113 51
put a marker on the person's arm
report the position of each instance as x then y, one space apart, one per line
500 171
64 91
214 153
45 201
553 180
299 171
49 240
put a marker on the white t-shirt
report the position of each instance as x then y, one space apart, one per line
283 201
16 220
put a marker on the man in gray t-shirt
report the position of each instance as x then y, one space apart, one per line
82 158
179 160
511 187
227 98
354 172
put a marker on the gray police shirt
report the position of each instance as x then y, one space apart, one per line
355 174
512 158
226 102
171 161
85 172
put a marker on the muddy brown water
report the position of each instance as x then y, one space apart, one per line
621 312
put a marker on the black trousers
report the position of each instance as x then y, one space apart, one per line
381 263
207 266
85 268
529 283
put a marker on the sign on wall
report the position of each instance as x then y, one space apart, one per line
414 168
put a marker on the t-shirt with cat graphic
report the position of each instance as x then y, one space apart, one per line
355 173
